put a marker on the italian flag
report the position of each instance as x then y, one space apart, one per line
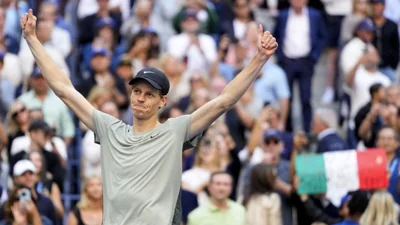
337 173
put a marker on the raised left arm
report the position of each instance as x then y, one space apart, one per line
208 113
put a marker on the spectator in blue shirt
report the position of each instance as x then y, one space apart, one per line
324 126
357 204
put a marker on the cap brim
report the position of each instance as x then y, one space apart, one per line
151 82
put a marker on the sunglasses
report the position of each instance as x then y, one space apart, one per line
271 141
15 114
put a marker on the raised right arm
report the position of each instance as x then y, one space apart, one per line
55 78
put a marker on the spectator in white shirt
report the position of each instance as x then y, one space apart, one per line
44 32
198 49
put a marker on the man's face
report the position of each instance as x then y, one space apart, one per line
190 25
125 72
103 4
27 179
100 63
317 125
298 4
146 100
387 140
366 36
377 9
39 85
381 94
44 30
393 96
38 137
48 13
273 147
220 187
241 8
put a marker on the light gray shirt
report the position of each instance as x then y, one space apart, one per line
141 171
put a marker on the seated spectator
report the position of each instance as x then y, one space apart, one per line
357 205
17 123
60 39
44 182
243 16
143 50
18 212
324 126
350 21
272 147
219 210
12 70
38 132
388 140
198 98
55 111
386 40
85 25
198 49
207 161
12 42
393 95
262 203
23 176
381 210
150 14
44 30
198 80
373 116
89 209
208 19
53 144
178 78
7 90
230 162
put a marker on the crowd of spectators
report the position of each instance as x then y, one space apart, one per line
242 171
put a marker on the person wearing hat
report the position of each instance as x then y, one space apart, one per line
142 164
386 40
39 133
24 176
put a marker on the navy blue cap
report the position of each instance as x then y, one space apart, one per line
36 72
1 55
105 22
343 201
272 134
377 1
98 51
154 77
190 13
366 24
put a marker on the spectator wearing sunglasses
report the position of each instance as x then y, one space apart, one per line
17 123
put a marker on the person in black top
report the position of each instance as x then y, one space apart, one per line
370 118
39 133
386 39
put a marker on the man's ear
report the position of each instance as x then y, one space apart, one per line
163 102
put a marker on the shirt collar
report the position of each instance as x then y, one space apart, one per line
304 11
214 208
326 132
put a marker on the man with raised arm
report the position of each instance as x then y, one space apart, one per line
141 164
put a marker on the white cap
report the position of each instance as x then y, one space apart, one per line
22 166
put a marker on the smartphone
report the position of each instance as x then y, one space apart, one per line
24 196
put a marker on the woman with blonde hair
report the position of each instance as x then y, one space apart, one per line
381 210
89 209
17 123
262 203
206 162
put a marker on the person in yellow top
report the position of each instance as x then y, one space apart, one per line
220 209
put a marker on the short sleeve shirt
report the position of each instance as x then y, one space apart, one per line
141 171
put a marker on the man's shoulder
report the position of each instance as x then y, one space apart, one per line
237 206
26 96
199 212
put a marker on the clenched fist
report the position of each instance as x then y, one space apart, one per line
28 24
267 44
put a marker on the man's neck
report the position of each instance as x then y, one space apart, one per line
298 11
41 96
102 74
242 19
221 204
375 101
379 20
355 218
140 126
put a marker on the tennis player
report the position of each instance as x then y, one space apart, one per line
141 164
